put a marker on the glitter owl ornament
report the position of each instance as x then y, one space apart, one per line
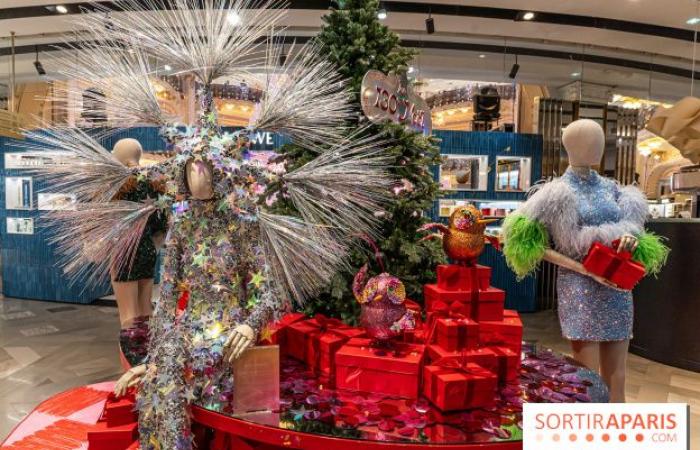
382 298
463 239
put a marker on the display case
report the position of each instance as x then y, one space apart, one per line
19 193
513 174
20 225
464 173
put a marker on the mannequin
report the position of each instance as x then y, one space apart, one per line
133 287
576 210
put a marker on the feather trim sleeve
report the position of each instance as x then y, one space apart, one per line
525 241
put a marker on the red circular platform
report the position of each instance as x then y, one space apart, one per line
314 417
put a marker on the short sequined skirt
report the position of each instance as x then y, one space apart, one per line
590 311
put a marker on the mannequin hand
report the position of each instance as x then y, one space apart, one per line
131 378
240 339
628 243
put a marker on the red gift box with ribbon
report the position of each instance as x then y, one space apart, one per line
483 356
454 383
485 304
507 332
508 363
454 334
452 277
315 341
436 297
488 305
617 267
103 437
274 333
359 367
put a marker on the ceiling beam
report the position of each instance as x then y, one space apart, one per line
458 46
419 8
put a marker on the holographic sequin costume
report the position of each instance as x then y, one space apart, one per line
577 211
239 261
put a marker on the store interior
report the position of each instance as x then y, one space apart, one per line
497 82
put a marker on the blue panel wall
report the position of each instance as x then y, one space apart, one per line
29 267
519 295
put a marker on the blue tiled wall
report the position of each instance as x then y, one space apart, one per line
29 269
519 295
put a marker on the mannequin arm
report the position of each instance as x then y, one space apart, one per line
560 260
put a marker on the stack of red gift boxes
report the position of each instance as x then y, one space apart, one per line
467 346
117 429
473 343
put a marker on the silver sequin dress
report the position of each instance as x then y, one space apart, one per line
577 211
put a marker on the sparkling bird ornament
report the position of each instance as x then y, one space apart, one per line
384 314
463 238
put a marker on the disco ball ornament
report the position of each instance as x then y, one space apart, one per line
382 298
463 176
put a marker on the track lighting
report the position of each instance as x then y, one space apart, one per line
37 64
514 70
430 24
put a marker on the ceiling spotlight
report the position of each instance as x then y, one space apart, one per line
693 21
167 68
37 64
233 18
482 56
381 14
514 70
61 9
430 25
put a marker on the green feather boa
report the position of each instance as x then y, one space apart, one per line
525 241
652 252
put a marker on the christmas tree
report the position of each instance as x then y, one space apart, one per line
355 39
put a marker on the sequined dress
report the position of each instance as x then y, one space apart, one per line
144 264
577 211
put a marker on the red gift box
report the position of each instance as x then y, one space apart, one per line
315 341
507 332
103 437
617 267
461 278
508 363
437 298
489 305
457 334
418 335
484 356
362 368
274 333
120 412
486 304
453 384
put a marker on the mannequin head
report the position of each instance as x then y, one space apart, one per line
128 152
584 141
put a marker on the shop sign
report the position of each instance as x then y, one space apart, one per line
390 97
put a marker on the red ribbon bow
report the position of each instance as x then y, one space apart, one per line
456 363
325 323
